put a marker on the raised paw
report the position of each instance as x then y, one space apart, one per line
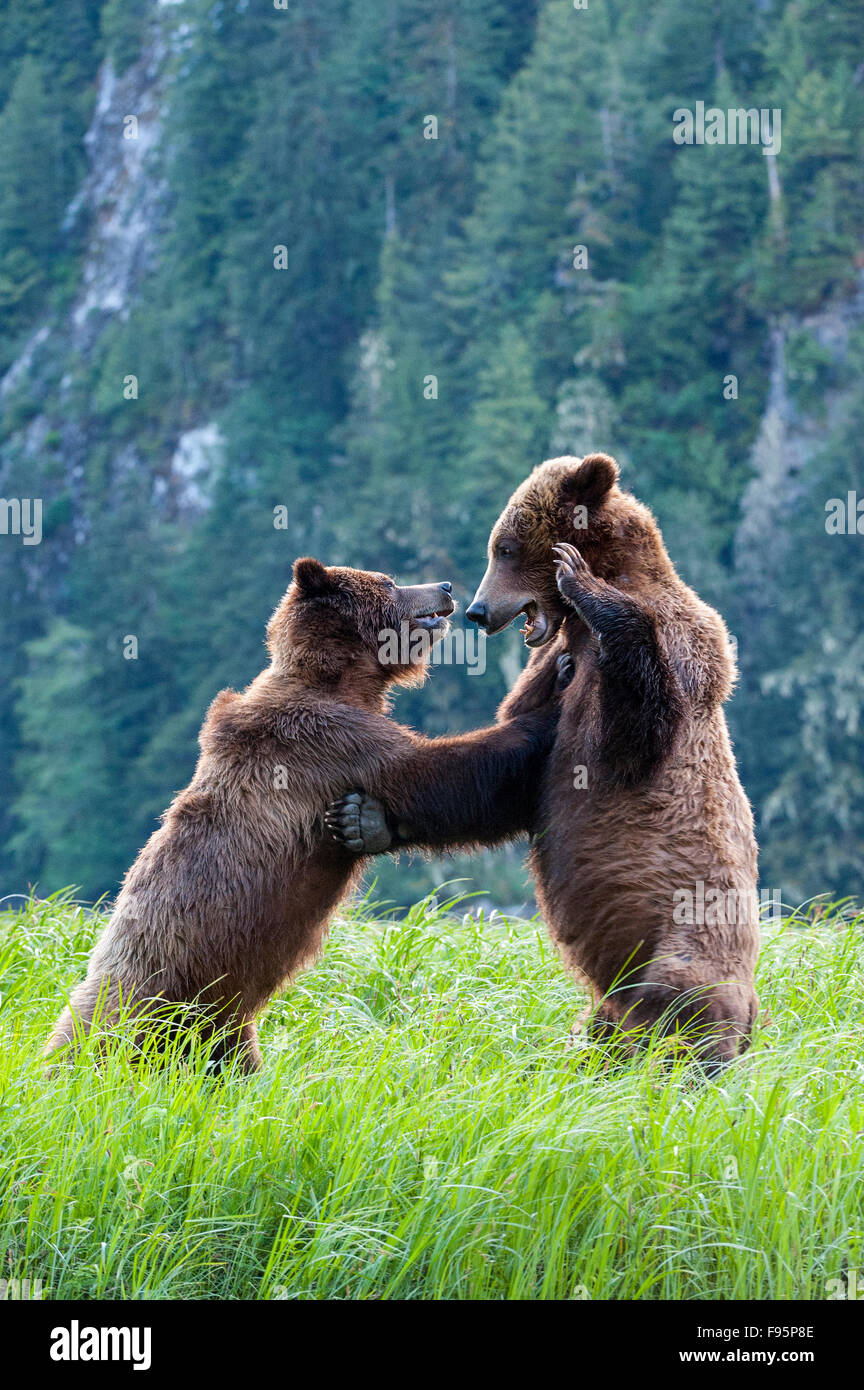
574 578
566 667
569 565
359 822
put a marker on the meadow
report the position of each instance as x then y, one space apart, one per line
425 1128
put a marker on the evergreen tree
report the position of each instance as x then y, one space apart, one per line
64 804
494 251
32 191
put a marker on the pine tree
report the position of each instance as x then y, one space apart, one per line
32 191
67 831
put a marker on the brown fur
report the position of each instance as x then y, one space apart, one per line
662 808
233 893
662 811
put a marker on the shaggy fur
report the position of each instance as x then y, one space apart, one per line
640 801
233 893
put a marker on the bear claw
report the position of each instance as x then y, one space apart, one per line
566 670
359 823
572 574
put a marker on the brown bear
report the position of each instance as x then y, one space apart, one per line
233 893
641 818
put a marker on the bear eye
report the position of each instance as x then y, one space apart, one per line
505 550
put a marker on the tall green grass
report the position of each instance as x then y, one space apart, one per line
422 1129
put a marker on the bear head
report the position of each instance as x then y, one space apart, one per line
336 622
564 499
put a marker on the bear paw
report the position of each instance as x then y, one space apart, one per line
571 572
359 823
566 668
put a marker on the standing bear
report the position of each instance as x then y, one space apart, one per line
641 818
234 891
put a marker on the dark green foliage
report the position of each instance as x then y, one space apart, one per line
430 334
123 27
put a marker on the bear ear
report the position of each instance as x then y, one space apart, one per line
311 577
590 480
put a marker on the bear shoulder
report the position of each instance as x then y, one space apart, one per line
317 731
699 649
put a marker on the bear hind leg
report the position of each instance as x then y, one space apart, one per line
90 1000
712 1022
237 1047
710 1025
65 1035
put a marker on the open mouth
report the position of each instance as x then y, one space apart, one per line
536 628
436 620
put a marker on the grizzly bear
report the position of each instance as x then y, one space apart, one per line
234 891
641 817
